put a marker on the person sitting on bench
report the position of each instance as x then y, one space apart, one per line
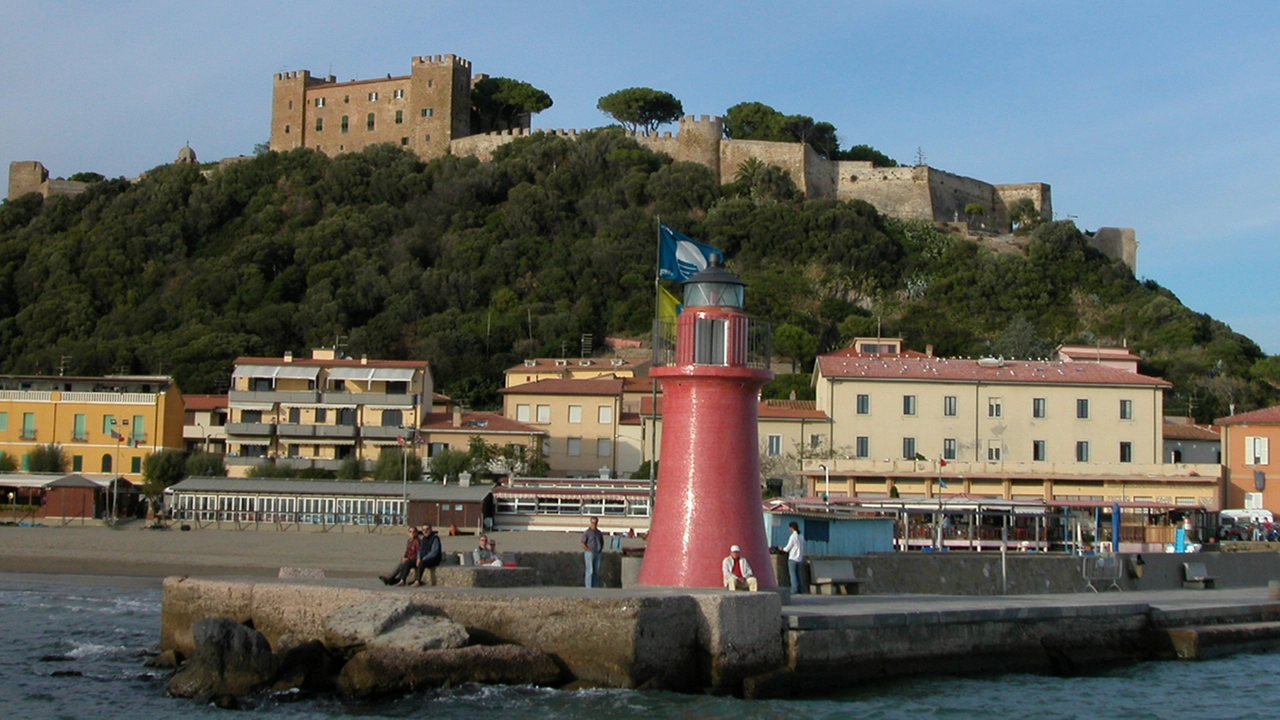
737 571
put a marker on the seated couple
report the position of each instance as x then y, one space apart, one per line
486 553
422 553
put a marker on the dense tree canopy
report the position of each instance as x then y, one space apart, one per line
641 108
498 103
476 266
757 121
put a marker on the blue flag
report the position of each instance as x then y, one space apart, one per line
681 257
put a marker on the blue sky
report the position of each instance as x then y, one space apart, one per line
1159 116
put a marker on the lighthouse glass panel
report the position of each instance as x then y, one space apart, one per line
710 339
701 294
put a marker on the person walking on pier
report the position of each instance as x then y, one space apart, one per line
593 546
737 572
429 555
795 557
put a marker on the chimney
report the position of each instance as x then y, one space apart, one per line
364 359
288 356
928 350
793 394
457 416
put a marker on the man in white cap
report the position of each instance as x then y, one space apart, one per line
737 571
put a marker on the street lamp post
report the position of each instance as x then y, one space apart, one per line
404 474
826 488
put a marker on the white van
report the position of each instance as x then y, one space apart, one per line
1245 516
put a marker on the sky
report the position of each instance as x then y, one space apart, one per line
1160 116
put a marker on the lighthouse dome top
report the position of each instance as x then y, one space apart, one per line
714 286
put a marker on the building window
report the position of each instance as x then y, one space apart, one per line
1038 407
815 441
775 445
346 98
949 449
544 413
1082 409
864 404
1256 451
710 341
139 428
427 137
604 448
319 102
250 416
908 404
295 415
399 94
106 462
404 141
909 448
80 427
77 463
1039 450
368 123
862 446
322 415
399 117
604 414
428 112
575 447
993 451
1126 452
4 422
286 129
522 413
949 406
1126 409
319 124
994 408
575 413
345 124
108 424
28 426
1082 451
373 96
135 465
290 104
392 418
347 416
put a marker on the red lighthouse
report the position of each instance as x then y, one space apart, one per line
708 494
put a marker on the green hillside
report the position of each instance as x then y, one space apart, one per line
475 266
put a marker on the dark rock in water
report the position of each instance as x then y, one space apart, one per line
230 659
225 701
56 658
167 660
309 666
66 673
291 695
768 686
380 671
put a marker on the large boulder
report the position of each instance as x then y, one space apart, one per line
422 632
380 671
229 659
409 625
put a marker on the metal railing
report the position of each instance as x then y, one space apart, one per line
757 335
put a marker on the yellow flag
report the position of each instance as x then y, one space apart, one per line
668 305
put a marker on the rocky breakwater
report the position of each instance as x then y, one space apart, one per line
385 640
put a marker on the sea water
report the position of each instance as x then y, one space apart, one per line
74 647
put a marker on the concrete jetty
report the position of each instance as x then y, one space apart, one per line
754 645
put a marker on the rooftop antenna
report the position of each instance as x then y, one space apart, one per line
62 365
919 156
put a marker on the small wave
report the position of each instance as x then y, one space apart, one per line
86 651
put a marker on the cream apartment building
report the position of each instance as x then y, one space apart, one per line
581 419
318 411
536 369
1051 430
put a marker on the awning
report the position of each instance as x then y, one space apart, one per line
257 371
297 371
275 371
253 406
368 373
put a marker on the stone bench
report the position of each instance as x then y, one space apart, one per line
1196 577
485 577
833 577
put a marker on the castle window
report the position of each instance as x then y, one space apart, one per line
431 83
290 104
427 137
404 141
428 112
346 98
344 123
286 129
319 102
369 122
319 124
399 116
400 94
373 96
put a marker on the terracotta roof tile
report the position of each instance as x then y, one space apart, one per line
556 386
784 409
1265 415
554 364
312 362
204 402
912 367
472 423
1189 431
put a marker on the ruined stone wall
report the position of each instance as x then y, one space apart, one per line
1038 192
951 194
902 192
26 176
788 156
1118 244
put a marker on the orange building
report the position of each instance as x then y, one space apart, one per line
1246 458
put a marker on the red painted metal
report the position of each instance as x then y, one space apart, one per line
708 494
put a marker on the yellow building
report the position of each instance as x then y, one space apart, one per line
581 419
1050 430
575 369
453 430
317 412
105 425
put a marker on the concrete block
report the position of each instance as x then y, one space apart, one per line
739 636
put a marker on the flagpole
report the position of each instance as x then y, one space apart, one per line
653 410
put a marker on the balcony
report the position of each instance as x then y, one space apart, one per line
291 397
299 463
295 430
384 431
243 460
251 429
347 398
335 431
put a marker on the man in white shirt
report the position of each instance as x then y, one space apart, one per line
737 572
795 557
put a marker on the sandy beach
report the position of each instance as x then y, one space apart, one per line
134 551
